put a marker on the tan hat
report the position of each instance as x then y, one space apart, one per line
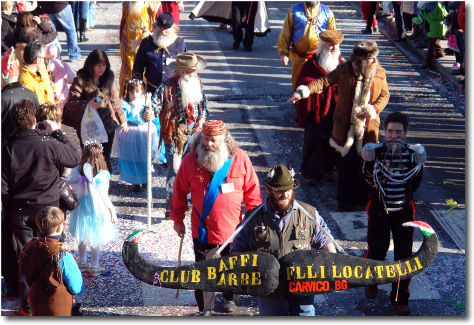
366 49
188 61
331 36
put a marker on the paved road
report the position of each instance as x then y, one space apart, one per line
248 90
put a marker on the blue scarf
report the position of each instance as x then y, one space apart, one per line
210 198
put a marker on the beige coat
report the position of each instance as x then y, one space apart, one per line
345 77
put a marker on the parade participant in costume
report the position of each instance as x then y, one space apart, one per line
243 14
182 107
368 9
301 29
92 222
219 176
394 169
48 269
283 225
33 73
30 178
136 24
131 146
315 113
362 94
95 86
156 51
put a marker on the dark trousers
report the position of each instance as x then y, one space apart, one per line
433 46
9 257
318 156
244 11
378 239
371 16
202 252
107 148
398 18
351 187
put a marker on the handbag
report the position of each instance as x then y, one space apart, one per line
72 115
92 127
68 199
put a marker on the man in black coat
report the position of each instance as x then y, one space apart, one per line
30 178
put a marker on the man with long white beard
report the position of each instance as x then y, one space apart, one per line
156 52
394 170
219 176
362 93
181 106
283 225
315 113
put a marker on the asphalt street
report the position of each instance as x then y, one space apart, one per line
249 92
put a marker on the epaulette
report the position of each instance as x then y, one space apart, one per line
420 153
368 153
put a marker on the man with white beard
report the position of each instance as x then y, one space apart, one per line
156 52
362 93
315 113
181 106
219 176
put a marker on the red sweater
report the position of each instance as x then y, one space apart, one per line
226 212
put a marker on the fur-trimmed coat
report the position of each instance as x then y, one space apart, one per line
345 131
81 92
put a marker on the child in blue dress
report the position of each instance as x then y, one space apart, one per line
92 223
131 146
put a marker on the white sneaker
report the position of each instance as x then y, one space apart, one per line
84 266
97 270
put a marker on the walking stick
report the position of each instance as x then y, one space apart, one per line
148 162
179 259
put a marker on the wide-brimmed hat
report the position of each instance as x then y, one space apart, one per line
165 20
188 61
331 36
281 179
366 49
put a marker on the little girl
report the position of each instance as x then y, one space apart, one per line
131 146
92 222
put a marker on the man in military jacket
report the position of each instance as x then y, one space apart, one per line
394 169
283 225
157 51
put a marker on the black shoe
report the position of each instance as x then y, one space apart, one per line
313 181
144 185
136 188
203 313
248 49
83 38
76 310
167 215
228 306
375 29
236 45
365 31
371 291
344 207
402 310
401 39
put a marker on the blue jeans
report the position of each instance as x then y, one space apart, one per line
301 306
170 151
66 19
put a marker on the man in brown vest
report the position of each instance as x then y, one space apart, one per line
182 107
283 225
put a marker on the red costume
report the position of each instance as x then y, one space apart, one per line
226 212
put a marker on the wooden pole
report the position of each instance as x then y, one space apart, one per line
179 258
149 162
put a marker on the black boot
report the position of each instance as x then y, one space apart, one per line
82 30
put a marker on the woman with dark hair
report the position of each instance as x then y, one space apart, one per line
94 85
45 31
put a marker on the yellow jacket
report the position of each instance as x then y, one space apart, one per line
39 85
